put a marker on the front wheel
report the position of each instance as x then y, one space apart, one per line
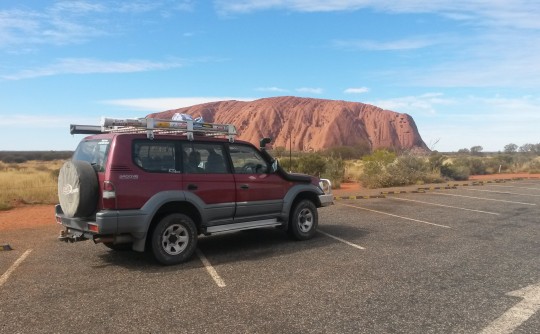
174 239
304 220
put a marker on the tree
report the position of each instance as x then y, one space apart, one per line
312 164
464 150
510 148
477 150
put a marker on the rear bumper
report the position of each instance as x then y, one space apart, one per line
106 222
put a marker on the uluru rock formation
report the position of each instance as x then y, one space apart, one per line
311 124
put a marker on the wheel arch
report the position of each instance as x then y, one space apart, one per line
297 194
184 207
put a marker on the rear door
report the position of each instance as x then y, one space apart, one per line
259 193
207 176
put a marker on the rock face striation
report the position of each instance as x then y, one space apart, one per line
309 124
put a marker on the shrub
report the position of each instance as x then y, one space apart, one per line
455 172
384 169
312 164
348 152
335 171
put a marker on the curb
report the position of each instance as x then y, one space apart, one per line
423 190
437 188
358 197
419 191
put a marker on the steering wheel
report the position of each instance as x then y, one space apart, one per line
250 168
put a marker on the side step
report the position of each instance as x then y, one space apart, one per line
243 226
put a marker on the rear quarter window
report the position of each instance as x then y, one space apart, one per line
155 156
94 151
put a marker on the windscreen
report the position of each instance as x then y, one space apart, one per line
93 151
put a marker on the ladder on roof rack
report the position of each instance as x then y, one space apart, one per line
156 126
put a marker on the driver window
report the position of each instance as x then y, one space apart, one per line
247 160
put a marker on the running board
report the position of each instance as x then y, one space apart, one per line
243 226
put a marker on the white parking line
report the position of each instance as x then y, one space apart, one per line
482 198
502 192
5 276
339 239
519 313
526 188
529 183
213 273
390 214
446 206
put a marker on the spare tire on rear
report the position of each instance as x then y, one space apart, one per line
78 189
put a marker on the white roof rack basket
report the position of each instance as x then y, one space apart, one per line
157 126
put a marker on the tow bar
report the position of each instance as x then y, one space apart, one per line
68 236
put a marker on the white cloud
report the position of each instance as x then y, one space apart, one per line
168 103
425 103
23 28
75 22
517 13
43 121
310 90
89 66
359 90
403 44
491 122
271 89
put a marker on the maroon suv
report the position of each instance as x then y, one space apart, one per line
157 184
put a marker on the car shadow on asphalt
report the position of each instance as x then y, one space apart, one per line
245 246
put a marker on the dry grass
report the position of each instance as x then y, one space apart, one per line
32 182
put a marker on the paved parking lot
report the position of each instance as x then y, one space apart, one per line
463 260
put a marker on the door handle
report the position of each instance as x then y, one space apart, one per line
192 187
244 186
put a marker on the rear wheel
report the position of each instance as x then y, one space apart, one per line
174 239
304 220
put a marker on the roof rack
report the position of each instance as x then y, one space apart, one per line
156 126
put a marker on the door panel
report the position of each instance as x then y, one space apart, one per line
206 175
259 194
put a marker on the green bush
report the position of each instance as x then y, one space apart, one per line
383 169
455 172
335 171
312 164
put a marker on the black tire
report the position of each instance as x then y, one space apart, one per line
304 220
78 189
119 247
174 239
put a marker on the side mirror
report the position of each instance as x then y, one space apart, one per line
264 141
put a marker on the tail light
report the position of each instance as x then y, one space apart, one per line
109 195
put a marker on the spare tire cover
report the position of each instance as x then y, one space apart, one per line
78 189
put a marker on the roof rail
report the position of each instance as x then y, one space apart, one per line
157 126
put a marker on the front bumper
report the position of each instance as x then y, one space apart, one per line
328 198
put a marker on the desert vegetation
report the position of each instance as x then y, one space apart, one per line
29 182
390 168
31 177
24 156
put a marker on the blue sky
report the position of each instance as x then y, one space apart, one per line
467 71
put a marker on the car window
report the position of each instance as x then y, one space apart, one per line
93 151
155 156
247 160
207 158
